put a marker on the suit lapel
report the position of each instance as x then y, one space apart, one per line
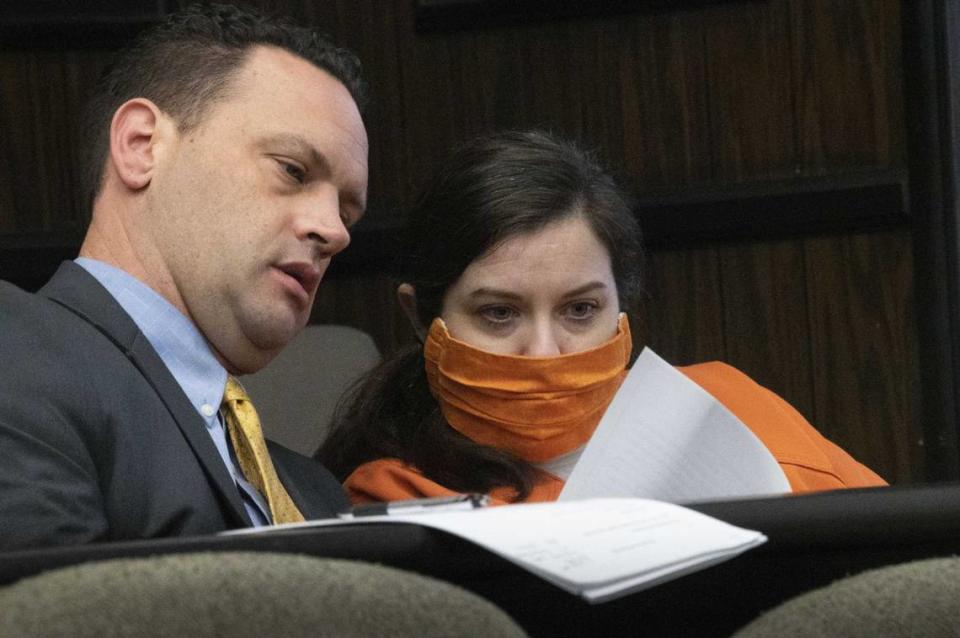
290 485
148 362
316 492
78 291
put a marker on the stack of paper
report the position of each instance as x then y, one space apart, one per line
599 549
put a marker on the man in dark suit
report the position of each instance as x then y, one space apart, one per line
226 160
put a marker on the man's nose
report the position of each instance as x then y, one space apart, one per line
320 221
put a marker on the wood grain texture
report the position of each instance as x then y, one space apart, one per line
37 132
666 123
683 309
766 324
41 99
753 138
931 57
860 289
864 349
847 61
8 150
667 142
751 96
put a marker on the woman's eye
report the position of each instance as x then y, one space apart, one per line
581 310
497 314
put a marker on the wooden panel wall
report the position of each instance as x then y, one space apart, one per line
729 94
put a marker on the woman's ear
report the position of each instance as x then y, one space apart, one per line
407 296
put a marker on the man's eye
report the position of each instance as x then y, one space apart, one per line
293 171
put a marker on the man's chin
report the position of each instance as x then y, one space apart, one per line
276 340
263 342
250 359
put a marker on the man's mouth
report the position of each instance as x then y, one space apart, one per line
305 274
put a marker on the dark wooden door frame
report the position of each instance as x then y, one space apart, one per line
931 56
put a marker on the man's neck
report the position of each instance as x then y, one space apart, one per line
111 239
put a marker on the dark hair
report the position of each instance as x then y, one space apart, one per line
186 63
493 188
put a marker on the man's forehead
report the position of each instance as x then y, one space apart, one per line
272 63
290 89
274 75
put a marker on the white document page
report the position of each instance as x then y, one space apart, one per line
601 548
598 548
666 438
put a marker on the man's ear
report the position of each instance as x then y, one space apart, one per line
407 296
133 137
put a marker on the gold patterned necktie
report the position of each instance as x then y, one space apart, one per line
243 424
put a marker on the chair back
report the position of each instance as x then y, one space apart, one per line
296 394
919 599
242 595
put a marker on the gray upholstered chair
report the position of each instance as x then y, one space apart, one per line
918 599
240 595
297 392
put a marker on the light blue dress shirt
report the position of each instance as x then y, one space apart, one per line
188 357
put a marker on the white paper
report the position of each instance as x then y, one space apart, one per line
666 438
600 548
597 548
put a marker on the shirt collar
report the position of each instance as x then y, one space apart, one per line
176 339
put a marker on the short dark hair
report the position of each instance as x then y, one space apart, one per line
184 65
491 189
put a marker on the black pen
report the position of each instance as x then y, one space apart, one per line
459 502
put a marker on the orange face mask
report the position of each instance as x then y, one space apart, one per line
534 407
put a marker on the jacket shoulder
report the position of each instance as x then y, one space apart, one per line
810 460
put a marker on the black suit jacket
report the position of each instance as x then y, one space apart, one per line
97 440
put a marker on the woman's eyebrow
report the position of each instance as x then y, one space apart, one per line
587 287
494 292
508 294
